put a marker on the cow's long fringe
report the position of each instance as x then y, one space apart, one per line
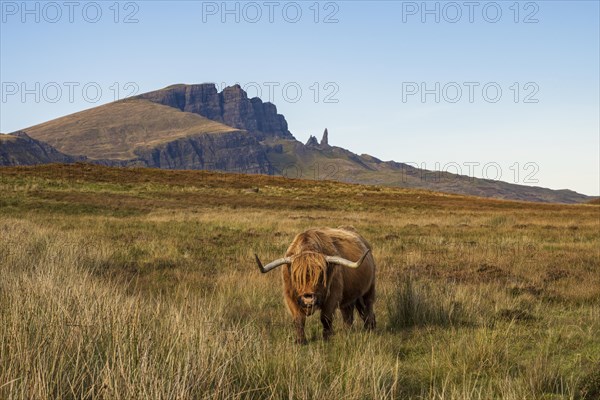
307 269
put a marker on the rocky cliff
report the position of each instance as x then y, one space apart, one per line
232 151
20 149
231 107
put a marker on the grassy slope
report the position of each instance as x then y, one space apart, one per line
7 138
334 163
124 283
116 130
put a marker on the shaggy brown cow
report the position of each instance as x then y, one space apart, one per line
320 275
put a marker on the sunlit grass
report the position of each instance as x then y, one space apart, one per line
121 290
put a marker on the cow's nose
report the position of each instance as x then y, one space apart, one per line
306 299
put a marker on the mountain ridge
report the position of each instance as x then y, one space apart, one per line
197 127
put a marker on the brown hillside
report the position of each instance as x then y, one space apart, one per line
117 130
190 189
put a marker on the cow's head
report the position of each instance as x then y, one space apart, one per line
308 272
309 279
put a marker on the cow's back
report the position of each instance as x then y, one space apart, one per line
351 245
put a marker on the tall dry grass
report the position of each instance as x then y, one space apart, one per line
164 302
67 334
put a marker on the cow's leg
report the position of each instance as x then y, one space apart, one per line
327 321
332 302
299 320
328 312
299 324
348 314
364 306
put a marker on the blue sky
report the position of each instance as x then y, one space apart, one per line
527 73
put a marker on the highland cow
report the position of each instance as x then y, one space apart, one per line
319 274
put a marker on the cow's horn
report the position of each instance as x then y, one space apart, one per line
347 263
273 264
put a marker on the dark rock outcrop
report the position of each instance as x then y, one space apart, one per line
232 151
323 145
238 111
20 149
231 107
325 139
199 99
235 151
312 141
268 121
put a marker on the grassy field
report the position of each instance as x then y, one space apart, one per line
141 284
